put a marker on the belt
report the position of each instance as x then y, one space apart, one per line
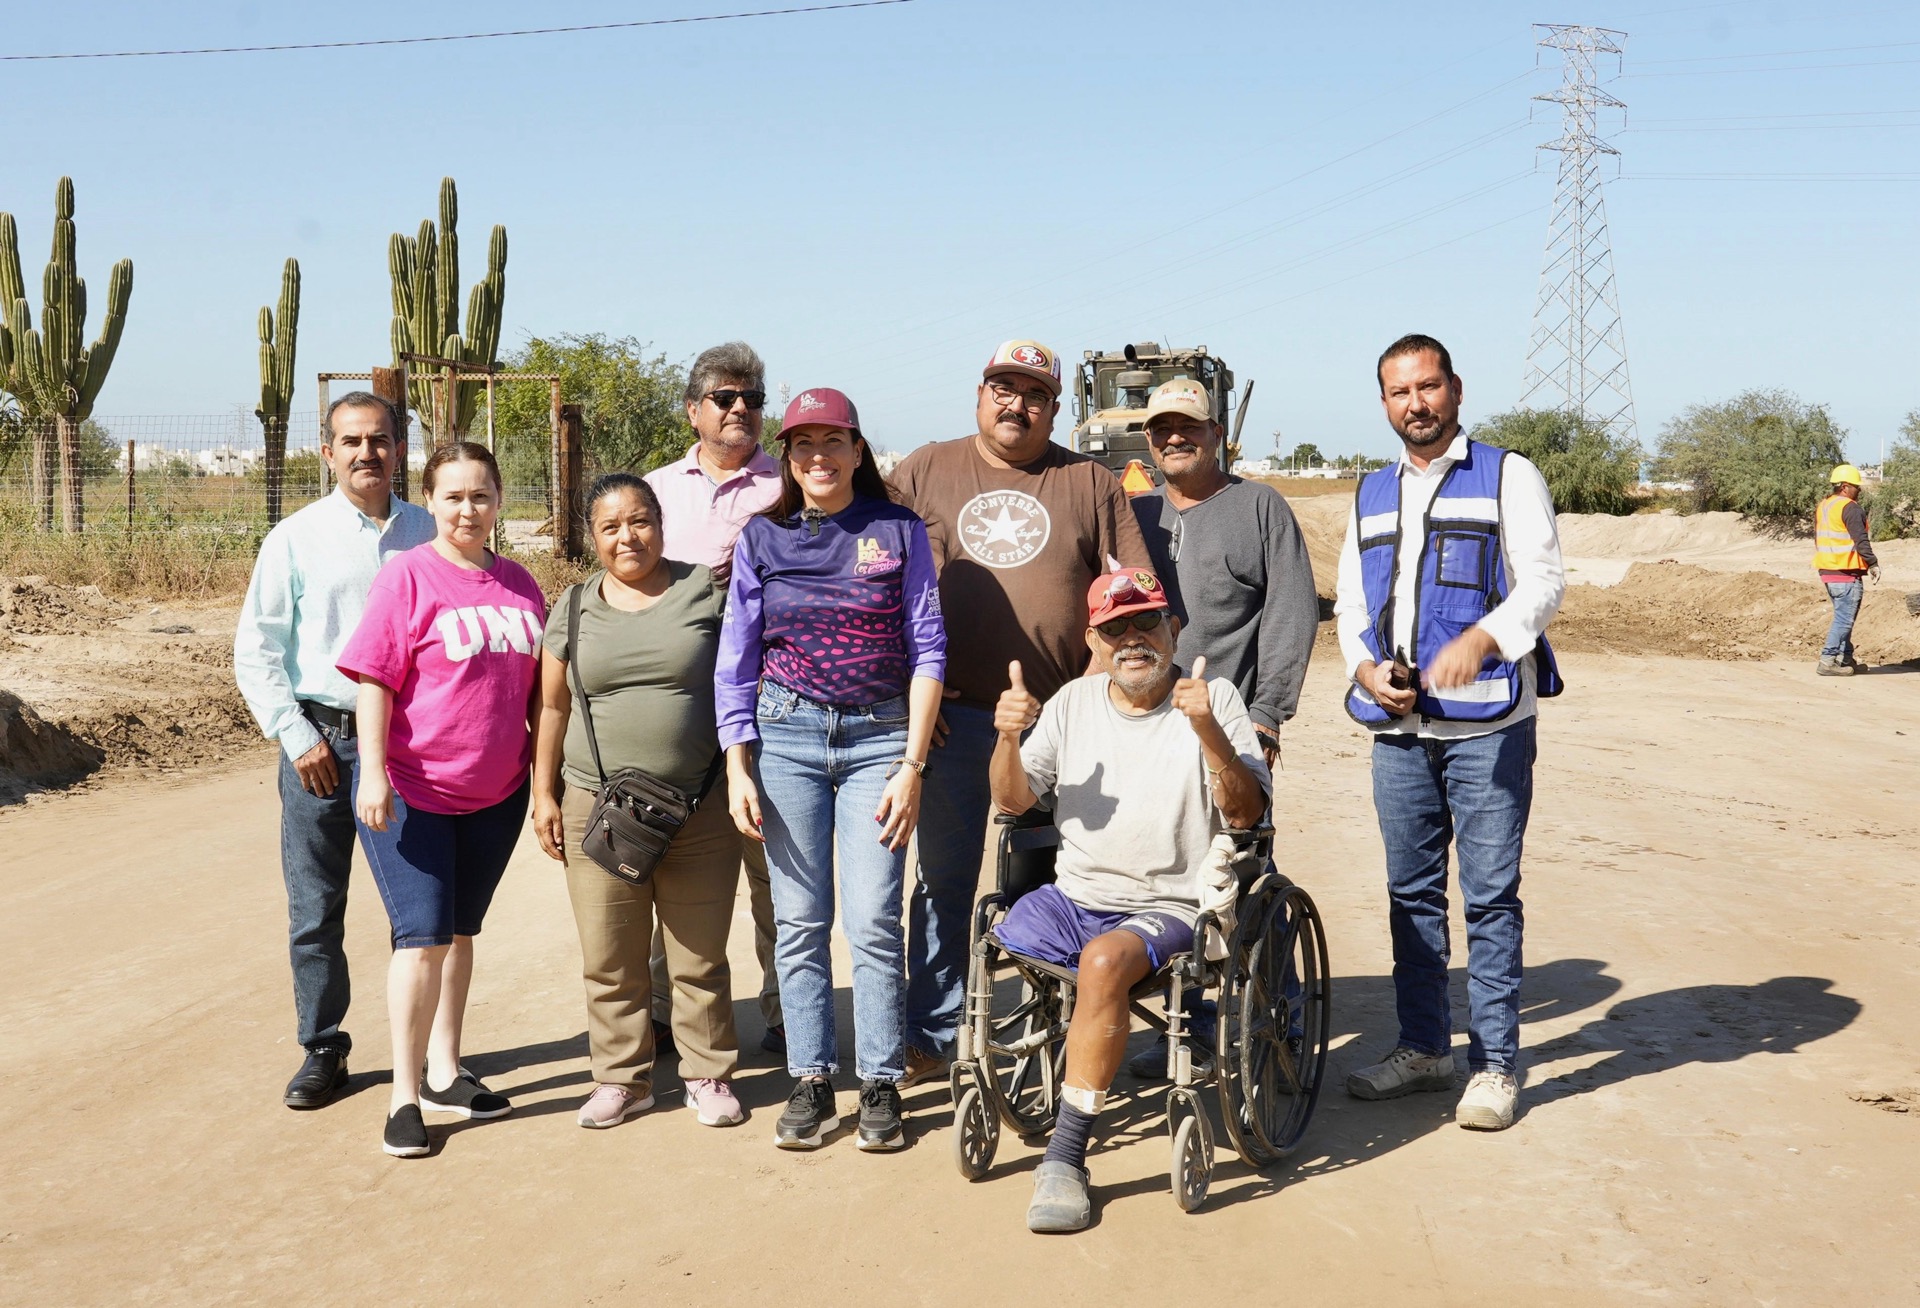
339 721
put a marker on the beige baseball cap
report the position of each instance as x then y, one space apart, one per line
1181 395
1028 358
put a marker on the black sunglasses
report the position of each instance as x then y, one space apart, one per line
1117 627
723 400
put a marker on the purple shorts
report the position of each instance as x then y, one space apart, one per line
1046 925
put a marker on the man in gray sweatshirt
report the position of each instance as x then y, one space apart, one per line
1232 558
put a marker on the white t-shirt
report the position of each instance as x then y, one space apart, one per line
1131 795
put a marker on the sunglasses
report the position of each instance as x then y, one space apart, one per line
723 400
1117 627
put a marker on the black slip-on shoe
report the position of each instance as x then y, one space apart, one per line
466 1097
319 1079
406 1135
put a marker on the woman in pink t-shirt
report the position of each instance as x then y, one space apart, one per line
446 655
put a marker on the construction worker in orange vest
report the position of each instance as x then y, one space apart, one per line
1843 555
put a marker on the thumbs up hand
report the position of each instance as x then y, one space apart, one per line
1017 710
1190 696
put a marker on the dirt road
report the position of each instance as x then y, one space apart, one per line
1721 985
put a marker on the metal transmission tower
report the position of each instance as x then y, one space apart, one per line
1577 358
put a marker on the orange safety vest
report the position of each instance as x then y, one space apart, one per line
1833 549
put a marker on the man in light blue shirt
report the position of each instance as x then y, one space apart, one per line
310 583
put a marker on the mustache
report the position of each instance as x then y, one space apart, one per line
1016 415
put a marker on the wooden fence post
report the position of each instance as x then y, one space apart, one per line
129 487
390 384
568 539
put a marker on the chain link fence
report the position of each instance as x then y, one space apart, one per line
207 473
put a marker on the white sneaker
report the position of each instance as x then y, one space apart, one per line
1491 1099
1402 1072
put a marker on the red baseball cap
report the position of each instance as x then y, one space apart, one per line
1118 594
1029 359
821 407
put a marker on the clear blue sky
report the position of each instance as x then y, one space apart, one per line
875 198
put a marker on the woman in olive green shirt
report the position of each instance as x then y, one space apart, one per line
649 631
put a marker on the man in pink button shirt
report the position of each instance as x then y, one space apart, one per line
705 499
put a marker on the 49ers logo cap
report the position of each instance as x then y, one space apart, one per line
1028 358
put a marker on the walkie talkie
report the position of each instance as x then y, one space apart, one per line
1400 674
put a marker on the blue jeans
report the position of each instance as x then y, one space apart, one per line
1846 607
437 871
821 774
952 835
316 855
1474 793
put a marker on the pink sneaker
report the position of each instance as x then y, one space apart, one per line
714 1102
610 1105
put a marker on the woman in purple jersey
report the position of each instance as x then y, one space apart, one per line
832 659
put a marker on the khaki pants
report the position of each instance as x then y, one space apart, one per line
692 893
753 855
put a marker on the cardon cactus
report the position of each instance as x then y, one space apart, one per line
425 271
48 370
276 380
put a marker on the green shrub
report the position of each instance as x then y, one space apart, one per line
1587 469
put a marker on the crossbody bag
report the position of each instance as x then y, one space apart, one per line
635 814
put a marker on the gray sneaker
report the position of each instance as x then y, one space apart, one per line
1060 1201
1833 667
1402 1072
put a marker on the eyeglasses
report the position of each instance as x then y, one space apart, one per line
1004 395
1117 627
723 400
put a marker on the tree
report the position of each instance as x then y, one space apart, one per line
1894 506
629 401
1587 469
1765 454
1306 455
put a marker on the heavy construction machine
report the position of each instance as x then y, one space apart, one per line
1110 406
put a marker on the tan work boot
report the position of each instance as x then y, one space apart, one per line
1833 667
1491 1099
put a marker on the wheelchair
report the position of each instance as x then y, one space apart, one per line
1274 1019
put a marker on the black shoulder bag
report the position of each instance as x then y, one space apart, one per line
635 814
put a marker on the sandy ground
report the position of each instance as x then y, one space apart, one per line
1723 959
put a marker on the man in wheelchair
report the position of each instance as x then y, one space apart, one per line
1142 767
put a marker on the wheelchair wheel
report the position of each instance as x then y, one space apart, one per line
1026 1057
976 1134
1275 1021
1192 1162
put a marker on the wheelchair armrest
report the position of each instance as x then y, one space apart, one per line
1037 816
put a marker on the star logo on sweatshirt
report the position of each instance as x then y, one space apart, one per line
1004 529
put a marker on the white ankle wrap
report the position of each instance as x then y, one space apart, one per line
1089 1102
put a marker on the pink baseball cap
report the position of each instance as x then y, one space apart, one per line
821 407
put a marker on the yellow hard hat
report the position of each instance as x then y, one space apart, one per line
1844 475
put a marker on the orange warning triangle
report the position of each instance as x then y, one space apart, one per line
1136 480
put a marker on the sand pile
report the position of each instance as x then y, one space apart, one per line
1672 608
88 683
1654 535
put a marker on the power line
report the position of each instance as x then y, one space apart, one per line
461 36
1781 54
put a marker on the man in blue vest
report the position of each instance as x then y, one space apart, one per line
1449 576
